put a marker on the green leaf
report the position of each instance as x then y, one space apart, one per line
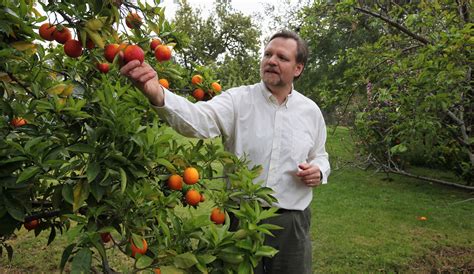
84 148
185 260
169 166
82 261
206 258
14 209
80 194
266 251
123 180
27 174
93 170
144 262
65 256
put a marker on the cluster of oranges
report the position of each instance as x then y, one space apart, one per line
190 177
74 48
192 196
198 93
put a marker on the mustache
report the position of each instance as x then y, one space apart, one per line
271 69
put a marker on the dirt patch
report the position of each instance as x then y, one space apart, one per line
445 260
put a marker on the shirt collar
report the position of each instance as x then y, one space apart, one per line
272 99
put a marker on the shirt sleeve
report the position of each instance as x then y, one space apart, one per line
200 120
318 155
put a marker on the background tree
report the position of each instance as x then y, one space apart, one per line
226 41
408 74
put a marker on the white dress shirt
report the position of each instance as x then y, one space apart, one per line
253 124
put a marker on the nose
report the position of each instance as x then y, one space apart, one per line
272 60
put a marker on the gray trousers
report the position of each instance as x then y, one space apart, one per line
293 243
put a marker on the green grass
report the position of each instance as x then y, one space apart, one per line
361 223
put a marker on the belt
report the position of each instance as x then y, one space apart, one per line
281 210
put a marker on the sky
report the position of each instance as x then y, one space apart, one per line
248 7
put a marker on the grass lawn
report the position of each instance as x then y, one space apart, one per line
361 223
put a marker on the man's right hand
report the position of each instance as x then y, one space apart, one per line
146 79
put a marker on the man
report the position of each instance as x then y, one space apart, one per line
274 126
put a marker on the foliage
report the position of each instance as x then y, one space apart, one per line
404 69
226 41
95 159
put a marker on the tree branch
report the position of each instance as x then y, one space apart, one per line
395 25
404 173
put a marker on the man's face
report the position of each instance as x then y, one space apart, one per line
278 66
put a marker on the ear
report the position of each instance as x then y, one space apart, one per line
298 69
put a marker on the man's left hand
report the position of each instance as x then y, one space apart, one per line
310 175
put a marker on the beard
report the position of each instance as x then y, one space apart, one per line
271 79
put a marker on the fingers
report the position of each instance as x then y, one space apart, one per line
310 175
137 72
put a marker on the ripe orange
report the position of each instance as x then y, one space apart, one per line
73 48
193 197
136 250
191 176
164 83
196 79
217 216
133 20
216 87
198 94
31 224
175 182
110 51
106 237
18 122
103 67
62 35
46 31
162 53
133 52
157 271
155 43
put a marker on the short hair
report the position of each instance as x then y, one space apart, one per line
302 50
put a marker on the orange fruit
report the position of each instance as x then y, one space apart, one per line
110 51
175 182
157 271
31 224
63 35
198 94
154 43
196 79
103 67
217 216
191 176
193 197
46 31
18 122
106 237
133 20
164 83
132 52
136 249
162 53
216 87
73 48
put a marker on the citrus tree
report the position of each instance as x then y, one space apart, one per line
82 152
